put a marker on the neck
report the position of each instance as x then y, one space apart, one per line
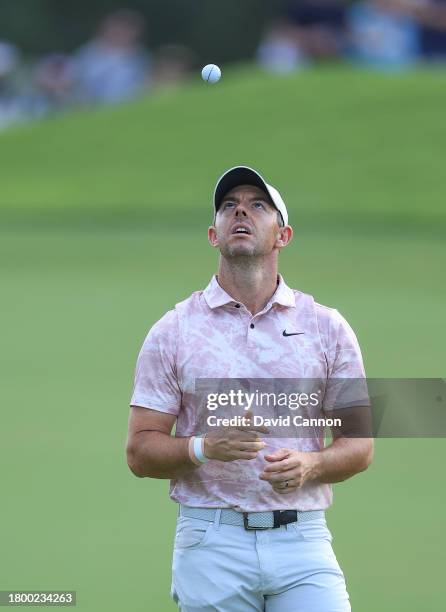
251 281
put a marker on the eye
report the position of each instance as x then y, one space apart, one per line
227 205
259 205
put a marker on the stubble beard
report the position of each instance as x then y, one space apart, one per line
242 256
240 251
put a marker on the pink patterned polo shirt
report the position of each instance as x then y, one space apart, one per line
211 336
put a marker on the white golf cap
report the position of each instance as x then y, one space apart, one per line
243 175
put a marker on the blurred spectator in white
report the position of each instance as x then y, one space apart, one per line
114 66
280 50
382 36
10 107
172 64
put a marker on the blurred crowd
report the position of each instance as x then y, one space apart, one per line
112 67
115 65
380 34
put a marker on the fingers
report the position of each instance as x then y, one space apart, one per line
286 487
279 455
231 443
259 428
287 491
279 466
232 448
278 477
251 446
246 450
247 455
245 436
251 427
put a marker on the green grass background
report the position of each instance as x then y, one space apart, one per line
103 219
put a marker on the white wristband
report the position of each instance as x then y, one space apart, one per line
199 449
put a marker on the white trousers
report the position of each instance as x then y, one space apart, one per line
224 568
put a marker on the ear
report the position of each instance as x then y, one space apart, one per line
212 236
284 236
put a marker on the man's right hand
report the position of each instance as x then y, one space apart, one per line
232 443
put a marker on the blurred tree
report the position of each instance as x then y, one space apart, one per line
217 30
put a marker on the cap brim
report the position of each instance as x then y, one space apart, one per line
241 175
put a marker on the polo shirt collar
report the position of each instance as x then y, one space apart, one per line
284 295
216 296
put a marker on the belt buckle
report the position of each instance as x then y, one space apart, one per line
284 517
248 527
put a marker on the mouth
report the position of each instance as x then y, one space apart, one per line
241 230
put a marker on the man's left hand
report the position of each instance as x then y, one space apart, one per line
289 469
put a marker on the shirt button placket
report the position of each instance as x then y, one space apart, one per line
251 334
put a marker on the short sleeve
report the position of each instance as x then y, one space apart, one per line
346 384
156 384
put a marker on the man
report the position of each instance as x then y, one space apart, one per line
113 66
251 533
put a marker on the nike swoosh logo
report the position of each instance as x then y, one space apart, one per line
292 334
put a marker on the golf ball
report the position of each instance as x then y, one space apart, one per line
211 73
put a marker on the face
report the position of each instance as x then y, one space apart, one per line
246 224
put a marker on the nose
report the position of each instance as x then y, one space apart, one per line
240 211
